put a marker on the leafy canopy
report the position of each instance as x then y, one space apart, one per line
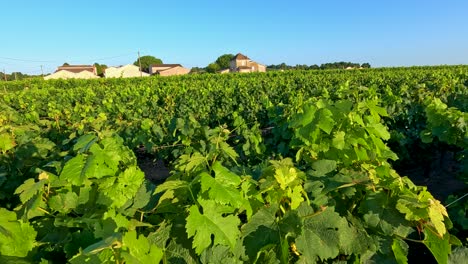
147 61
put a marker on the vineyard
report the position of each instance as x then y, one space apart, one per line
332 166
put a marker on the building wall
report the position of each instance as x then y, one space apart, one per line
175 71
126 71
242 63
85 75
232 65
61 74
261 68
245 70
253 66
64 74
155 69
78 69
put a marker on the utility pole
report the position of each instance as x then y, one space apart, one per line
16 77
4 85
139 62
42 72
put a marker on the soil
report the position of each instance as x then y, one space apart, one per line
438 172
155 170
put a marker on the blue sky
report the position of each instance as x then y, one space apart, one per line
195 33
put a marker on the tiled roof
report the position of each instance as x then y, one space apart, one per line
76 68
166 65
240 56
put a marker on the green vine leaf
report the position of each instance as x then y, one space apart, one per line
321 235
439 246
73 172
28 189
6 142
16 237
322 167
225 176
261 232
211 223
296 196
189 163
436 213
219 192
325 120
117 191
338 140
400 250
140 251
64 202
285 172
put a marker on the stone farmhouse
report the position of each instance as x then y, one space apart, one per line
241 63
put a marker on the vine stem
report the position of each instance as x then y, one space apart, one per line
44 211
409 239
193 197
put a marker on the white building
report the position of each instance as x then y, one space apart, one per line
64 74
126 71
74 72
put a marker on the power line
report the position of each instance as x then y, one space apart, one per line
113 57
74 59
22 61
15 59
23 67
7 63
466 194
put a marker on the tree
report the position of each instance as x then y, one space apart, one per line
14 76
100 68
66 64
213 67
366 65
224 61
146 62
197 70
339 65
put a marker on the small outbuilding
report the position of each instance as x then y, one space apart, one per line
64 74
78 68
126 71
74 72
168 69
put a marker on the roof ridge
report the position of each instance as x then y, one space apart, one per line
240 56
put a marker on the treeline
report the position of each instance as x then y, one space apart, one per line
15 76
324 66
